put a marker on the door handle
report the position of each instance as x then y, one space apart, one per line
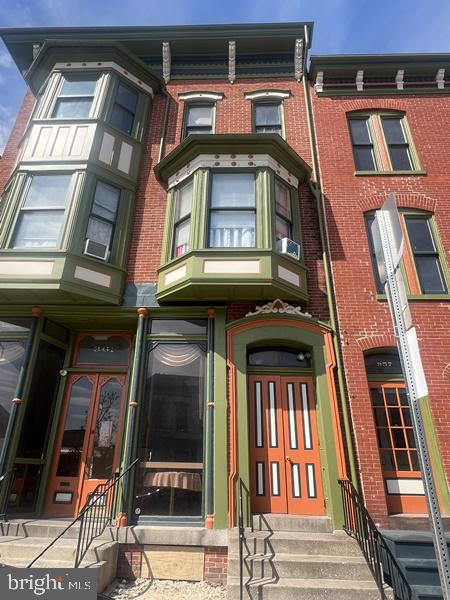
288 458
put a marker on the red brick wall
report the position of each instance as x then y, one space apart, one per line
129 561
364 321
216 562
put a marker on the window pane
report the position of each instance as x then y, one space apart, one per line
384 439
364 158
380 416
67 108
387 460
414 461
282 200
233 190
179 326
106 427
47 191
201 130
268 129
430 275
400 159
99 231
420 235
377 397
398 436
279 357
79 87
103 350
199 116
402 461
393 130
359 131
407 417
390 395
127 98
181 238
184 201
122 119
106 201
267 114
38 229
232 230
282 229
11 358
394 416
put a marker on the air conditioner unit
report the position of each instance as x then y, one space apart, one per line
96 250
289 247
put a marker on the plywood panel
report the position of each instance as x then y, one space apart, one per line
172 562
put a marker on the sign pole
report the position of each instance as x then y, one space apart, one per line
388 242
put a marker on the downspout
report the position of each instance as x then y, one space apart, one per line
18 392
162 142
209 521
316 189
122 518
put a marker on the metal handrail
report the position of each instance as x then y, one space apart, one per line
380 560
7 479
241 489
94 516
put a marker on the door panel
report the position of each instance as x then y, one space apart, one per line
86 449
284 448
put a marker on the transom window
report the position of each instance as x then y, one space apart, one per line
198 118
182 219
232 218
42 212
382 142
102 220
124 108
76 97
267 118
422 252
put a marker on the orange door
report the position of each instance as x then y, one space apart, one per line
284 447
87 446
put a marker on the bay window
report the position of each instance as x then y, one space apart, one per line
102 220
42 212
283 212
76 97
232 219
124 108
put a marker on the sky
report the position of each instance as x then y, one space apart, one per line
340 26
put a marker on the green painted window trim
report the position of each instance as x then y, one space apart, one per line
201 197
369 114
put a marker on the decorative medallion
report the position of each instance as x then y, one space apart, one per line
278 307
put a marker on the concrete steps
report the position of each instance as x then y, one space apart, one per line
302 560
26 539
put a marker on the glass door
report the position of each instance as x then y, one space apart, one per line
87 443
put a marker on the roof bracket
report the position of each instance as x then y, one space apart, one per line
399 79
318 86
299 59
440 79
36 48
359 81
231 61
167 61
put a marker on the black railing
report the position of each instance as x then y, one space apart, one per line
381 561
241 492
94 517
6 483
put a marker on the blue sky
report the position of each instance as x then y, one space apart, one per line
341 26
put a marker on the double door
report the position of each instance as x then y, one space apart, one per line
284 446
87 445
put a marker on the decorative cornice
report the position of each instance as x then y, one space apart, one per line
278 307
299 60
190 96
262 94
167 61
101 66
232 161
231 61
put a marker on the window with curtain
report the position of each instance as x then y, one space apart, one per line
102 220
76 97
267 118
198 118
42 212
182 219
232 218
